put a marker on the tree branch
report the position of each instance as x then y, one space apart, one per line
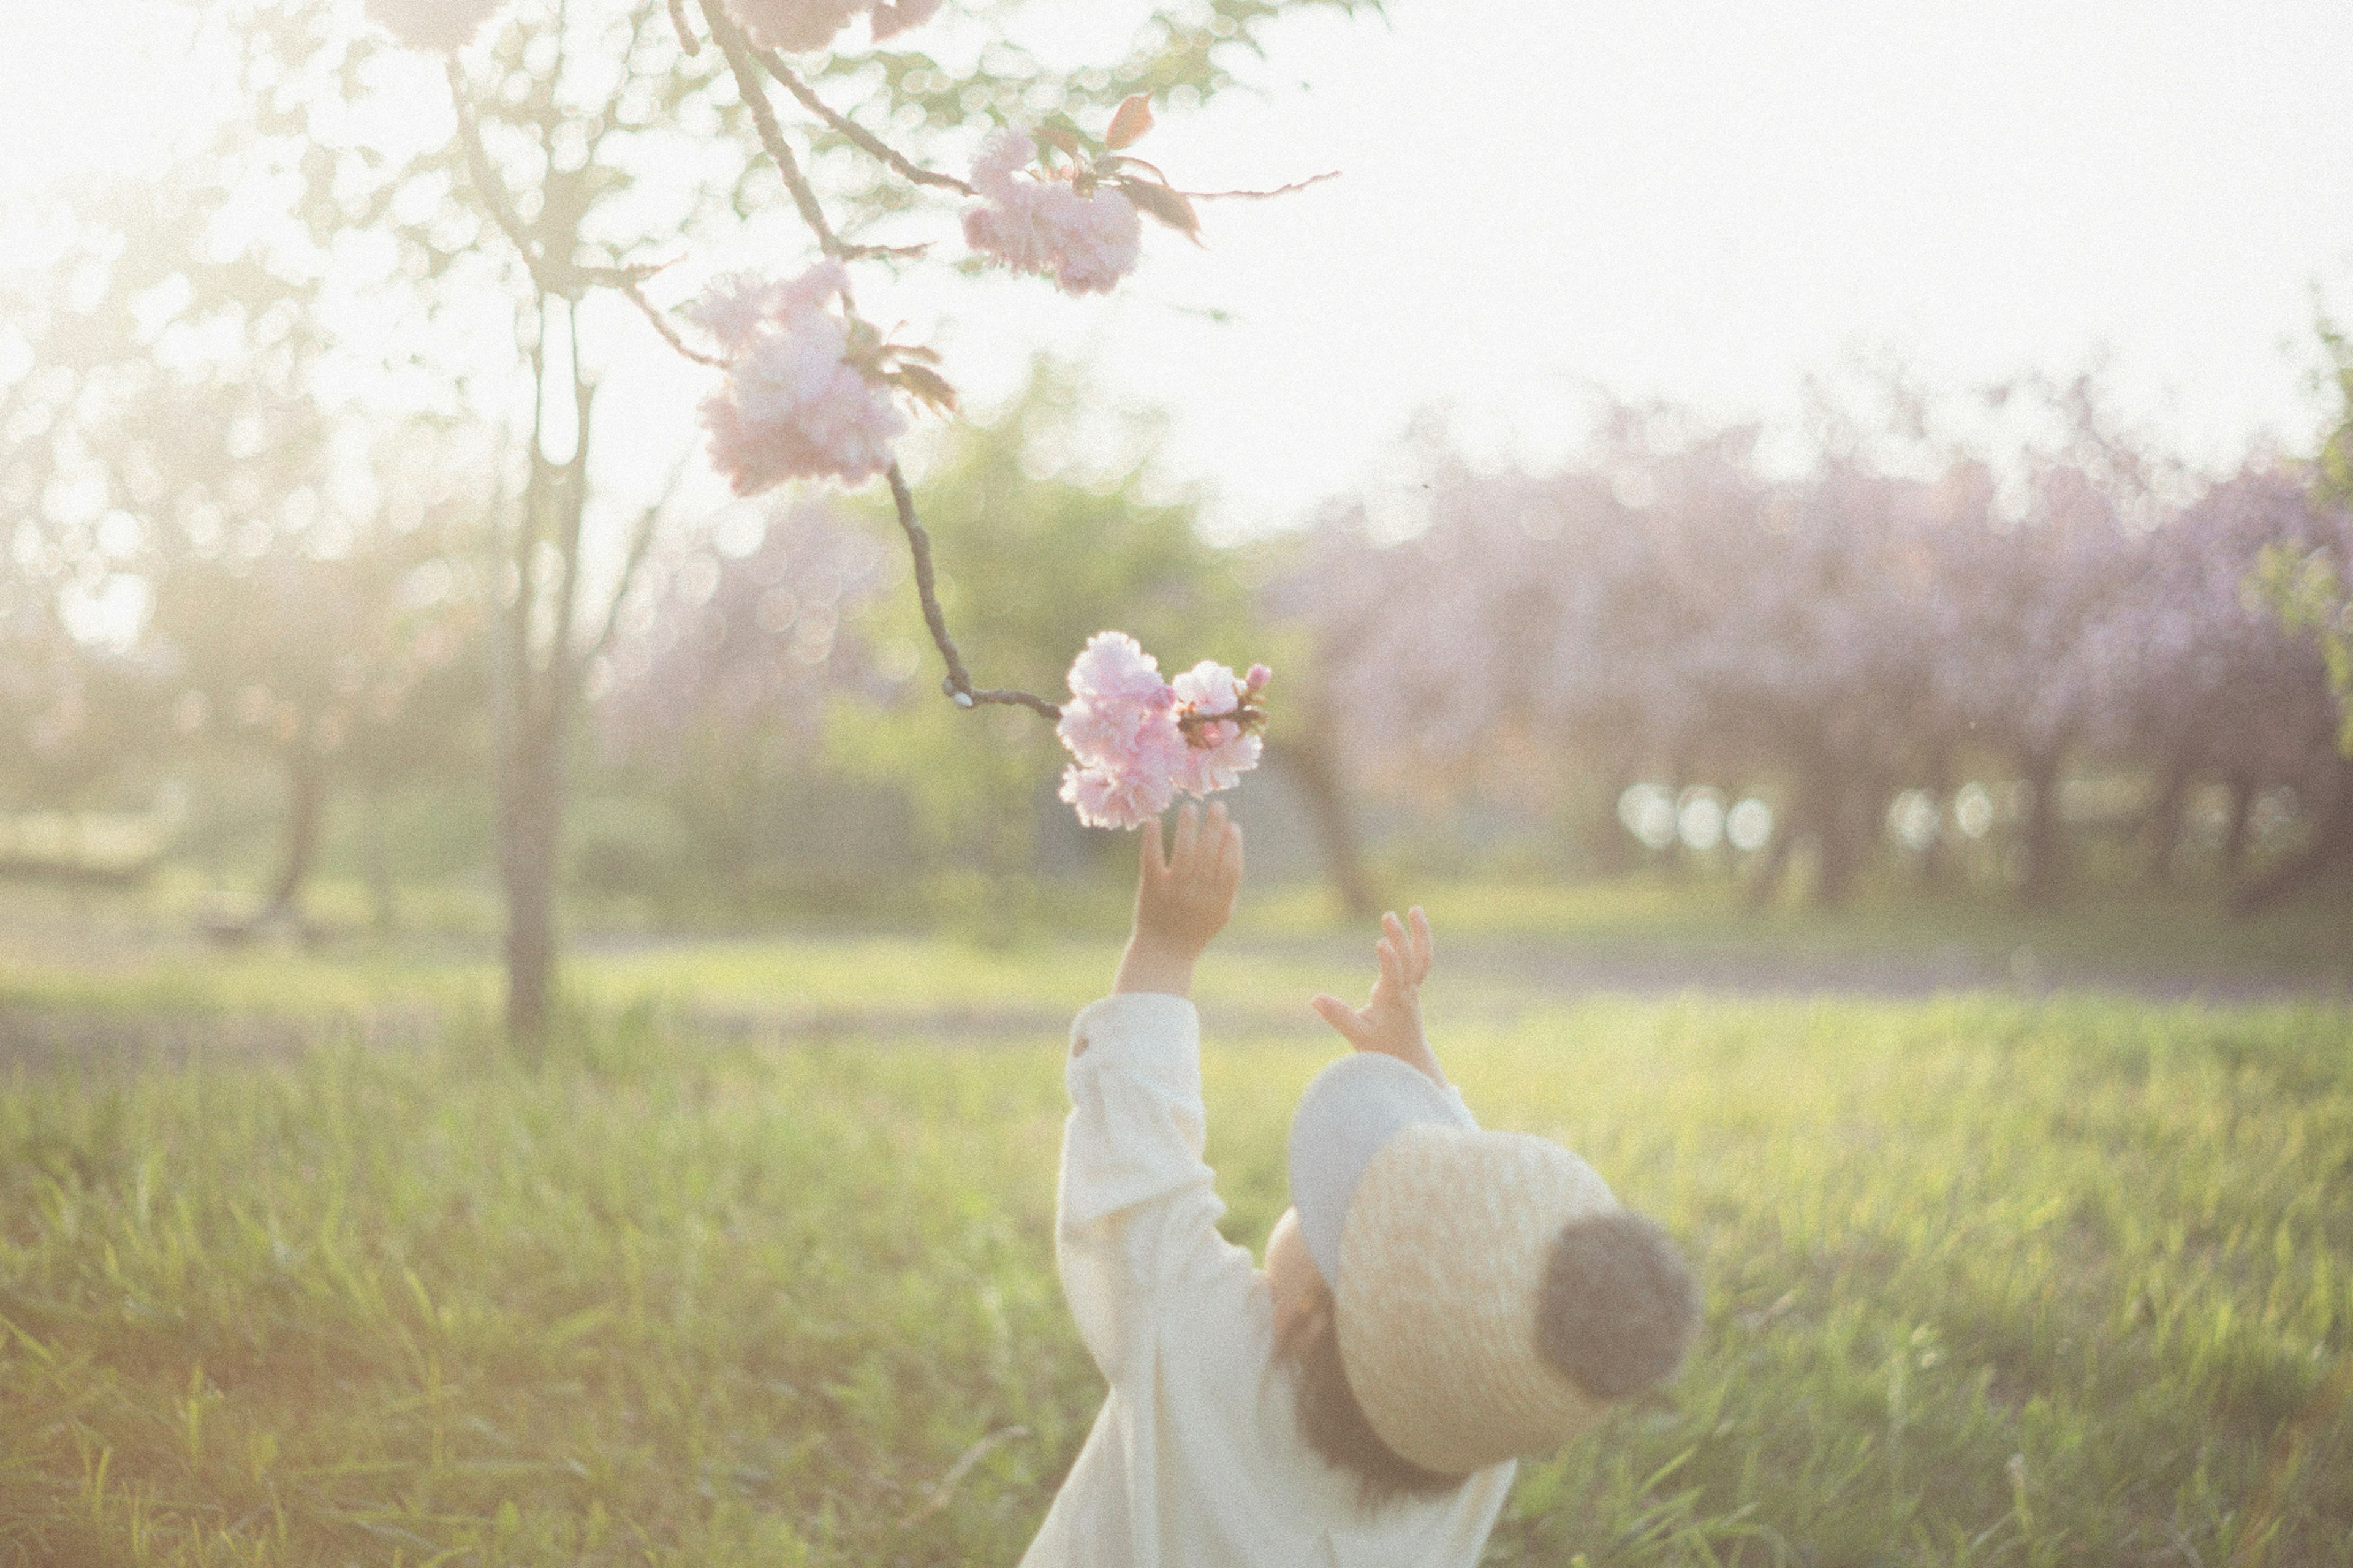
957 682
631 289
486 181
640 545
738 51
559 661
563 279
865 139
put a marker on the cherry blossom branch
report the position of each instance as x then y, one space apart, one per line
957 682
865 139
687 41
1260 195
740 62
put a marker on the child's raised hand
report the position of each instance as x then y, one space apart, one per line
1182 899
1390 1022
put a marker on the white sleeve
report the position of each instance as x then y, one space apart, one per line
1137 1211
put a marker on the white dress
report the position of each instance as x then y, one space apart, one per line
1196 1460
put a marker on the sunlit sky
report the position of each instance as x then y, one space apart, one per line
1699 200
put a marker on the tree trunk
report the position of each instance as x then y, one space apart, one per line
2161 828
2045 844
306 788
1611 845
1309 760
536 681
384 897
2332 842
531 804
2234 828
1845 837
1789 830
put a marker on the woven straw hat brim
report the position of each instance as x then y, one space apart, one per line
1347 1117
1441 1261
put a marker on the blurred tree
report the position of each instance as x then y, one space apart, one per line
158 411
349 653
2304 576
1660 610
276 567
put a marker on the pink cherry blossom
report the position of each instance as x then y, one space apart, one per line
1043 225
1138 740
793 407
888 19
797 26
732 307
437 26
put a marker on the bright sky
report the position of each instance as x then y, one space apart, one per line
1700 200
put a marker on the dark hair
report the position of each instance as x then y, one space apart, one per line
1618 1308
1333 1424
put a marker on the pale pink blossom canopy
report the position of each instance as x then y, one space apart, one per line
792 407
797 26
438 26
1085 243
1127 729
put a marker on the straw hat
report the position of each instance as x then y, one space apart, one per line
1435 1237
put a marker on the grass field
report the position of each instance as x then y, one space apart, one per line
1990 1280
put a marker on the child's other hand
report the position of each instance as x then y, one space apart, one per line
1182 899
1390 1022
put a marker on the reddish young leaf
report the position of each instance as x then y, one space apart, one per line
1062 139
1131 120
929 386
1169 207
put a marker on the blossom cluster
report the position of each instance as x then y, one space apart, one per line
1138 741
1042 224
797 26
794 405
437 26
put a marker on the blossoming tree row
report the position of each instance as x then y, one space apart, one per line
1666 608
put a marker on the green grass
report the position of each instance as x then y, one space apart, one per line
1988 1280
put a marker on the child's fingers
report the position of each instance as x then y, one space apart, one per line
1392 967
1230 858
1341 1016
1188 829
1422 946
1153 866
1210 847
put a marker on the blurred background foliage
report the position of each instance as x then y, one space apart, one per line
1897 668
250 618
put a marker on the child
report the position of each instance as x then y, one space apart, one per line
1437 1299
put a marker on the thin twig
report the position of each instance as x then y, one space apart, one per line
946 1489
640 545
957 682
637 296
1260 195
686 38
864 139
